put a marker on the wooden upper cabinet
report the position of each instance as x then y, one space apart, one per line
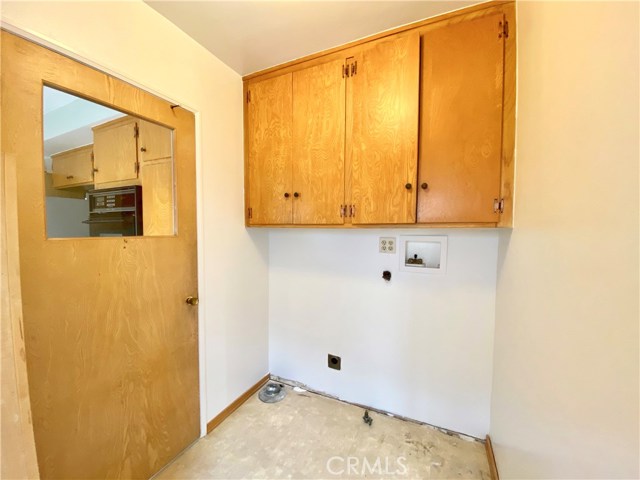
382 130
268 131
461 121
318 144
416 126
132 151
115 157
154 142
73 167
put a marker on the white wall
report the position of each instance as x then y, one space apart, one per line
65 217
565 392
420 346
133 41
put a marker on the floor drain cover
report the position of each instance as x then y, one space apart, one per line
272 393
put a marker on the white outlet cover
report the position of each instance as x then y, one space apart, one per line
387 245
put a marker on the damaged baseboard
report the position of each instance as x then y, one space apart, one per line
452 433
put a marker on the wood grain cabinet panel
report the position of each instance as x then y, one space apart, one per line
269 120
318 144
383 130
115 158
424 136
157 197
154 141
155 157
73 167
461 121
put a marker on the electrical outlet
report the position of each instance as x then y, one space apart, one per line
387 245
334 361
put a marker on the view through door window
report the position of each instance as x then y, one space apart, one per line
107 174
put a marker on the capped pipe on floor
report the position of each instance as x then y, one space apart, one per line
272 392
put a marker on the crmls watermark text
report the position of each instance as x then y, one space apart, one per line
359 467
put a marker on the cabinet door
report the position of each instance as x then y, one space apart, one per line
154 141
115 152
382 136
73 167
461 122
269 125
318 144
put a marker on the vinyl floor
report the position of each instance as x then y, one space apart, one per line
308 436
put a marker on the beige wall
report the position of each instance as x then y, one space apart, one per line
133 41
565 389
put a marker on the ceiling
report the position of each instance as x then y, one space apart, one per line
252 35
54 99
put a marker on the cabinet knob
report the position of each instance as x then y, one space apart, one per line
296 194
408 186
69 177
95 170
143 149
286 195
424 186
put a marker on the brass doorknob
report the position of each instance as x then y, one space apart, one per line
193 301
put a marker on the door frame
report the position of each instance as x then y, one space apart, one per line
197 137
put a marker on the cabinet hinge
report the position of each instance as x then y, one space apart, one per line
248 96
349 70
250 212
137 168
503 29
498 205
136 132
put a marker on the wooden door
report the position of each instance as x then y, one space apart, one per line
73 167
269 127
382 137
318 144
461 121
115 146
111 345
